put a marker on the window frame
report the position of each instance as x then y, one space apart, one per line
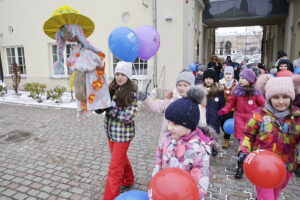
67 72
16 60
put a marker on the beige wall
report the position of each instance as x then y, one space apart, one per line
28 18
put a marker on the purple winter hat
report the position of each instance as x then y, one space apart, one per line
249 75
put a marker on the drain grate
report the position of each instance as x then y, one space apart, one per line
15 136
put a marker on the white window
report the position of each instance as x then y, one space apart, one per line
63 71
16 55
139 70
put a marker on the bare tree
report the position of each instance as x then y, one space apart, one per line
16 77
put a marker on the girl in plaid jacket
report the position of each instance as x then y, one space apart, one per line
120 130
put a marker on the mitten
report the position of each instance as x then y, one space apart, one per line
221 112
141 96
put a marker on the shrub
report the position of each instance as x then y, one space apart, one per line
56 93
3 89
36 90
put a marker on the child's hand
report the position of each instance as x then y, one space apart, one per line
169 95
221 112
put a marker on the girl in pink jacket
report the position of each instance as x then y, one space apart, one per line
246 98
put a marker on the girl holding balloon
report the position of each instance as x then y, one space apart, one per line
246 98
229 83
120 129
275 127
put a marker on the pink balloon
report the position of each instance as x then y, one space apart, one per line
149 41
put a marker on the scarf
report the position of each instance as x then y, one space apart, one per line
279 115
245 91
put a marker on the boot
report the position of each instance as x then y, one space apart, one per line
225 143
297 170
239 171
214 152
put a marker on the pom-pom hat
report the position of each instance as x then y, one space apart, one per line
185 111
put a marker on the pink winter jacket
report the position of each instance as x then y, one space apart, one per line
244 108
158 106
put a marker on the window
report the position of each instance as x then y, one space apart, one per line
16 55
140 68
63 71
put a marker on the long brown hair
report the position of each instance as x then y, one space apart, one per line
124 94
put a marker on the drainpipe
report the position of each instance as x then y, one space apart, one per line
289 28
154 12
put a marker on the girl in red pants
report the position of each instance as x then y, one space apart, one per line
120 129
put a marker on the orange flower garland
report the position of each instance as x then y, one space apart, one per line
83 105
101 55
97 84
91 98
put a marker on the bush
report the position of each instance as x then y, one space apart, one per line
36 90
3 89
56 93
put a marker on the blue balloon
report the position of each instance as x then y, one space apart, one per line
297 70
124 44
229 126
133 195
193 67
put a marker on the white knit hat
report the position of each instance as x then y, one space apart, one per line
124 68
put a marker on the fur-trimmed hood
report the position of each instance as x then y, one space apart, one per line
212 134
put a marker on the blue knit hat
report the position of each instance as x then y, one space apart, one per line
185 111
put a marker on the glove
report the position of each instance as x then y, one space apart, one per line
221 112
99 111
141 96
242 157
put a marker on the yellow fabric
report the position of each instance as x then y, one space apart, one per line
72 81
67 15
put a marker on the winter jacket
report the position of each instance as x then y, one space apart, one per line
190 153
119 122
214 104
228 91
244 108
264 131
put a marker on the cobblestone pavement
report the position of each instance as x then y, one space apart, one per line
46 154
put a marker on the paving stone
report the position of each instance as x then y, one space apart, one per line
69 159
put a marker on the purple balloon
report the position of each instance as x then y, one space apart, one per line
149 41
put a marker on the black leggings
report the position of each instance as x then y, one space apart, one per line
224 118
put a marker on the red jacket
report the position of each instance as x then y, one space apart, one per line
244 108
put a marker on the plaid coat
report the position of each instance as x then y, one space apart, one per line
264 131
119 122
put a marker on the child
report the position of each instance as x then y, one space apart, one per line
275 127
199 76
185 146
284 64
184 80
215 99
229 84
120 129
246 98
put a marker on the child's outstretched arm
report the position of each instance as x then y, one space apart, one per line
250 132
229 106
156 106
200 171
261 101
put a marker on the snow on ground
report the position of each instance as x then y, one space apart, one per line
23 98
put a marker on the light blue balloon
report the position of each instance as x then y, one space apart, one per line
124 44
193 67
271 75
229 126
297 70
133 195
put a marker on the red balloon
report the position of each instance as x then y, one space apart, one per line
173 184
264 169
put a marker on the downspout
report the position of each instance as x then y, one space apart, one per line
154 12
289 31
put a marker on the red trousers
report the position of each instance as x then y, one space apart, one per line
119 171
